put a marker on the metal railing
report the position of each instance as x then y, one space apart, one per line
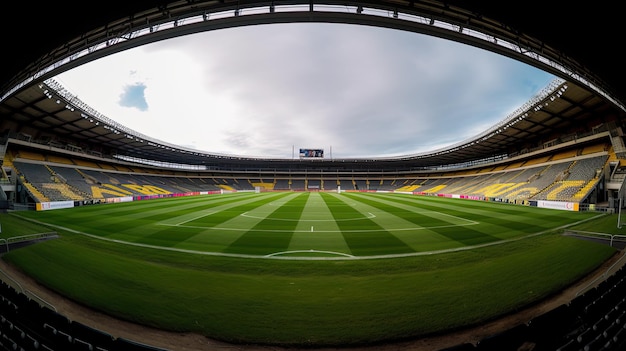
7 242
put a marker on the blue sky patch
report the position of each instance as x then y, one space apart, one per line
133 96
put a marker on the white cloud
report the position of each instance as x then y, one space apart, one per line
263 90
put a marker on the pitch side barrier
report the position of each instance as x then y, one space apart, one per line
556 205
55 205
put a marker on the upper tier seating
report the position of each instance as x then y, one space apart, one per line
567 176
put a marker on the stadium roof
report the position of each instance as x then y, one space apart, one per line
579 40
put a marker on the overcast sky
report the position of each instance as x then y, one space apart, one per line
267 90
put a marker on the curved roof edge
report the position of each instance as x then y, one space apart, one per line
555 87
183 17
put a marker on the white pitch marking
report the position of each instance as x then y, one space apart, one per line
193 219
322 231
280 254
371 215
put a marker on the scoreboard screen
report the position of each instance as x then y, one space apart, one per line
311 153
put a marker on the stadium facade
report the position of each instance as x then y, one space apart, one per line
562 149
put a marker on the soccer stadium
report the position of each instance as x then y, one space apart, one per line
112 239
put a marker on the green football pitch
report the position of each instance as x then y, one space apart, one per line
308 268
296 225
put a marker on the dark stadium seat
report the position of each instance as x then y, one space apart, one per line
27 326
593 321
549 328
619 338
53 321
570 345
95 337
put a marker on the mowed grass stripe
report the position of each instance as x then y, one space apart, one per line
211 216
409 227
149 230
548 217
272 234
500 223
116 219
500 220
444 218
317 230
456 229
363 236
215 233
201 224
